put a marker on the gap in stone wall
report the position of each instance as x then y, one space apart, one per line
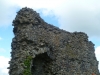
39 64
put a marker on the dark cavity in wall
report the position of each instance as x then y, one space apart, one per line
40 64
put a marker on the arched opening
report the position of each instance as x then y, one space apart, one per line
40 64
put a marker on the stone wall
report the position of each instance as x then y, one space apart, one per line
39 48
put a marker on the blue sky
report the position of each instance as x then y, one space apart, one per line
70 15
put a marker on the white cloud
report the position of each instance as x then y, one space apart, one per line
7 13
3 65
97 52
81 15
38 4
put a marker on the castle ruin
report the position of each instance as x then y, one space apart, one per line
39 48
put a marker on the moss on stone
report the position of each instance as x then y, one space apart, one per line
27 63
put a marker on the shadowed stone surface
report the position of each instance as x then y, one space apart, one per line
39 48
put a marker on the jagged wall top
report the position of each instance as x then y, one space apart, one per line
27 16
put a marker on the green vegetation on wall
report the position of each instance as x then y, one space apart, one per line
27 63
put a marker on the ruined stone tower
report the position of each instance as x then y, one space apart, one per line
39 48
